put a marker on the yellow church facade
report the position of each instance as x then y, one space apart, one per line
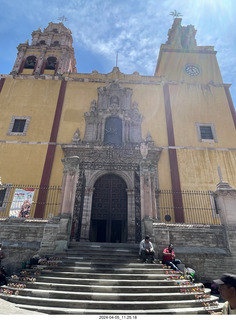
112 143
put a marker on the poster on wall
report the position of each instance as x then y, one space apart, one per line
21 203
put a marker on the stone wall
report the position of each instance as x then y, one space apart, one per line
208 249
23 238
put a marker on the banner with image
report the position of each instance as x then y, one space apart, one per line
21 203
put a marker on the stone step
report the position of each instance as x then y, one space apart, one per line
110 296
101 252
107 269
97 263
103 312
108 288
107 304
105 282
92 278
103 258
104 245
103 275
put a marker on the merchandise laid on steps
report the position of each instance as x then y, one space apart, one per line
106 278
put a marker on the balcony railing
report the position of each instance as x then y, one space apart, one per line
194 207
197 207
21 201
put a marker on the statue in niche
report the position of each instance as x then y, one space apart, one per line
149 139
135 111
93 106
76 138
144 149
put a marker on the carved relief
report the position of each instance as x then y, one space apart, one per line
129 157
114 101
181 37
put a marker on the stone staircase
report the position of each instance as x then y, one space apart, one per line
106 278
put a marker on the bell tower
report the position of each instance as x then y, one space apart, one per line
180 58
50 52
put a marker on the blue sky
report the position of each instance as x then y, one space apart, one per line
134 28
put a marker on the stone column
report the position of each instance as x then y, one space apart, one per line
225 197
19 59
70 178
153 195
131 215
86 217
146 190
40 61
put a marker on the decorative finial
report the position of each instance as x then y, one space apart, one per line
117 59
62 19
175 14
76 137
220 174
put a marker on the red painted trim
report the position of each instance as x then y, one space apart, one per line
43 67
169 121
2 81
22 66
174 169
36 64
56 67
231 105
42 196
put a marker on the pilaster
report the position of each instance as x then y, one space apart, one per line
225 197
86 217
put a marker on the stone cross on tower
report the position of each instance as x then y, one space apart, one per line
62 19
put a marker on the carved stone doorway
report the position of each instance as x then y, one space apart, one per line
109 210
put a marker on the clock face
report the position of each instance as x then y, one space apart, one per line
192 70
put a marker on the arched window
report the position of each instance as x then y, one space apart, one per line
113 131
51 63
30 62
114 101
42 42
56 43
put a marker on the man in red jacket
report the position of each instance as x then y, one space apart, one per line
169 258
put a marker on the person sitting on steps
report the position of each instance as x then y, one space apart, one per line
169 258
146 250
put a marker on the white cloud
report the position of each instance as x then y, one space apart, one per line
134 28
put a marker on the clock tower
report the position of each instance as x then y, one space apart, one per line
182 59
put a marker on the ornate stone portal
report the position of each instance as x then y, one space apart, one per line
112 145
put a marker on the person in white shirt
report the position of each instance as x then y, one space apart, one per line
146 250
227 289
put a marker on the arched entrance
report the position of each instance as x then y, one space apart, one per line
109 210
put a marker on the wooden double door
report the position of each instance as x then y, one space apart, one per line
109 210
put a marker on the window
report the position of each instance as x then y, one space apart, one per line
206 132
113 131
18 126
